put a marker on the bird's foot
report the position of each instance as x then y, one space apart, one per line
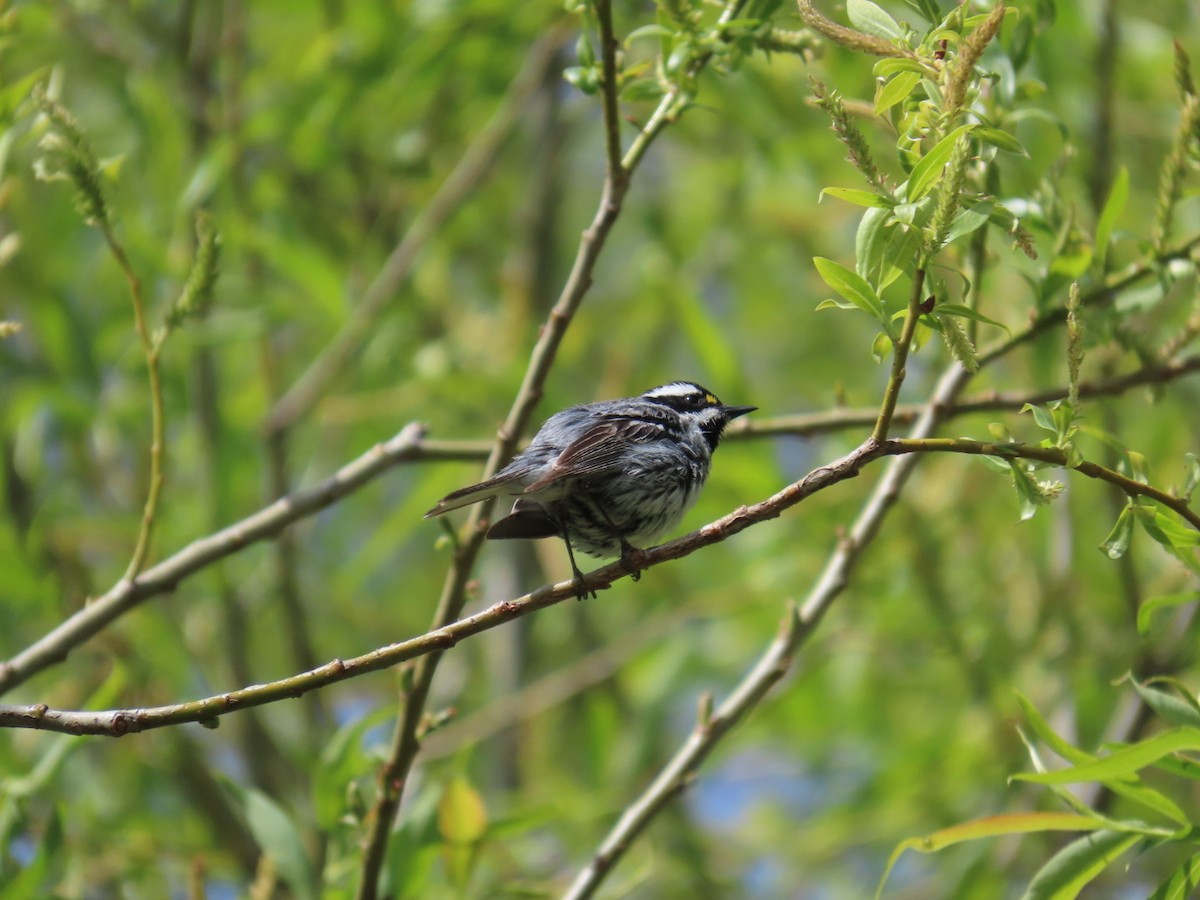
582 591
633 560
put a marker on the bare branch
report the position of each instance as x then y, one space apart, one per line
677 773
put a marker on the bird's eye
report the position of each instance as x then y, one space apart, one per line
695 399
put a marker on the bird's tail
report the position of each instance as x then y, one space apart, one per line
493 487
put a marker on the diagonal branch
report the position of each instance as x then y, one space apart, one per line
116 723
265 523
1053 455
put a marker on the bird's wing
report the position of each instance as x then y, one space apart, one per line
598 450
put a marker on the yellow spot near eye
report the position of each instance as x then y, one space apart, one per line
709 398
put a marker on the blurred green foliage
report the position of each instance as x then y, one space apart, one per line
313 135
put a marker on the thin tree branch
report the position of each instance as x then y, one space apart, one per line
678 772
610 98
1052 455
900 350
1111 285
265 523
831 421
459 185
115 723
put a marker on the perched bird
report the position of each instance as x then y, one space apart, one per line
609 477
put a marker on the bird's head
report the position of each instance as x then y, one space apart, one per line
699 405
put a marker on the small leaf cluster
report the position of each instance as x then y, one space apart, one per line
688 32
927 94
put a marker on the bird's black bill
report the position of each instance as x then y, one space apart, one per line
732 412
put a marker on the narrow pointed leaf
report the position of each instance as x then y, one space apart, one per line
1124 762
896 90
966 312
1072 868
859 198
928 171
850 285
1113 208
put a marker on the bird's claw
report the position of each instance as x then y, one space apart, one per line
582 591
633 560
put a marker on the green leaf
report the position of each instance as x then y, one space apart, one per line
988 827
1163 529
1147 610
967 220
1073 867
1047 735
1192 461
859 198
881 347
462 816
1180 884
833 303
278 837
1114 206
895 90
870 242
867 16
1028 490
657 31
1001 140
1042 417
583 50
892 65
1176 710
1130 788
1122 763
928 171
1119 539
966 312
586 78
642 90
852 286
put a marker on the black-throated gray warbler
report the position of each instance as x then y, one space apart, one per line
609 477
